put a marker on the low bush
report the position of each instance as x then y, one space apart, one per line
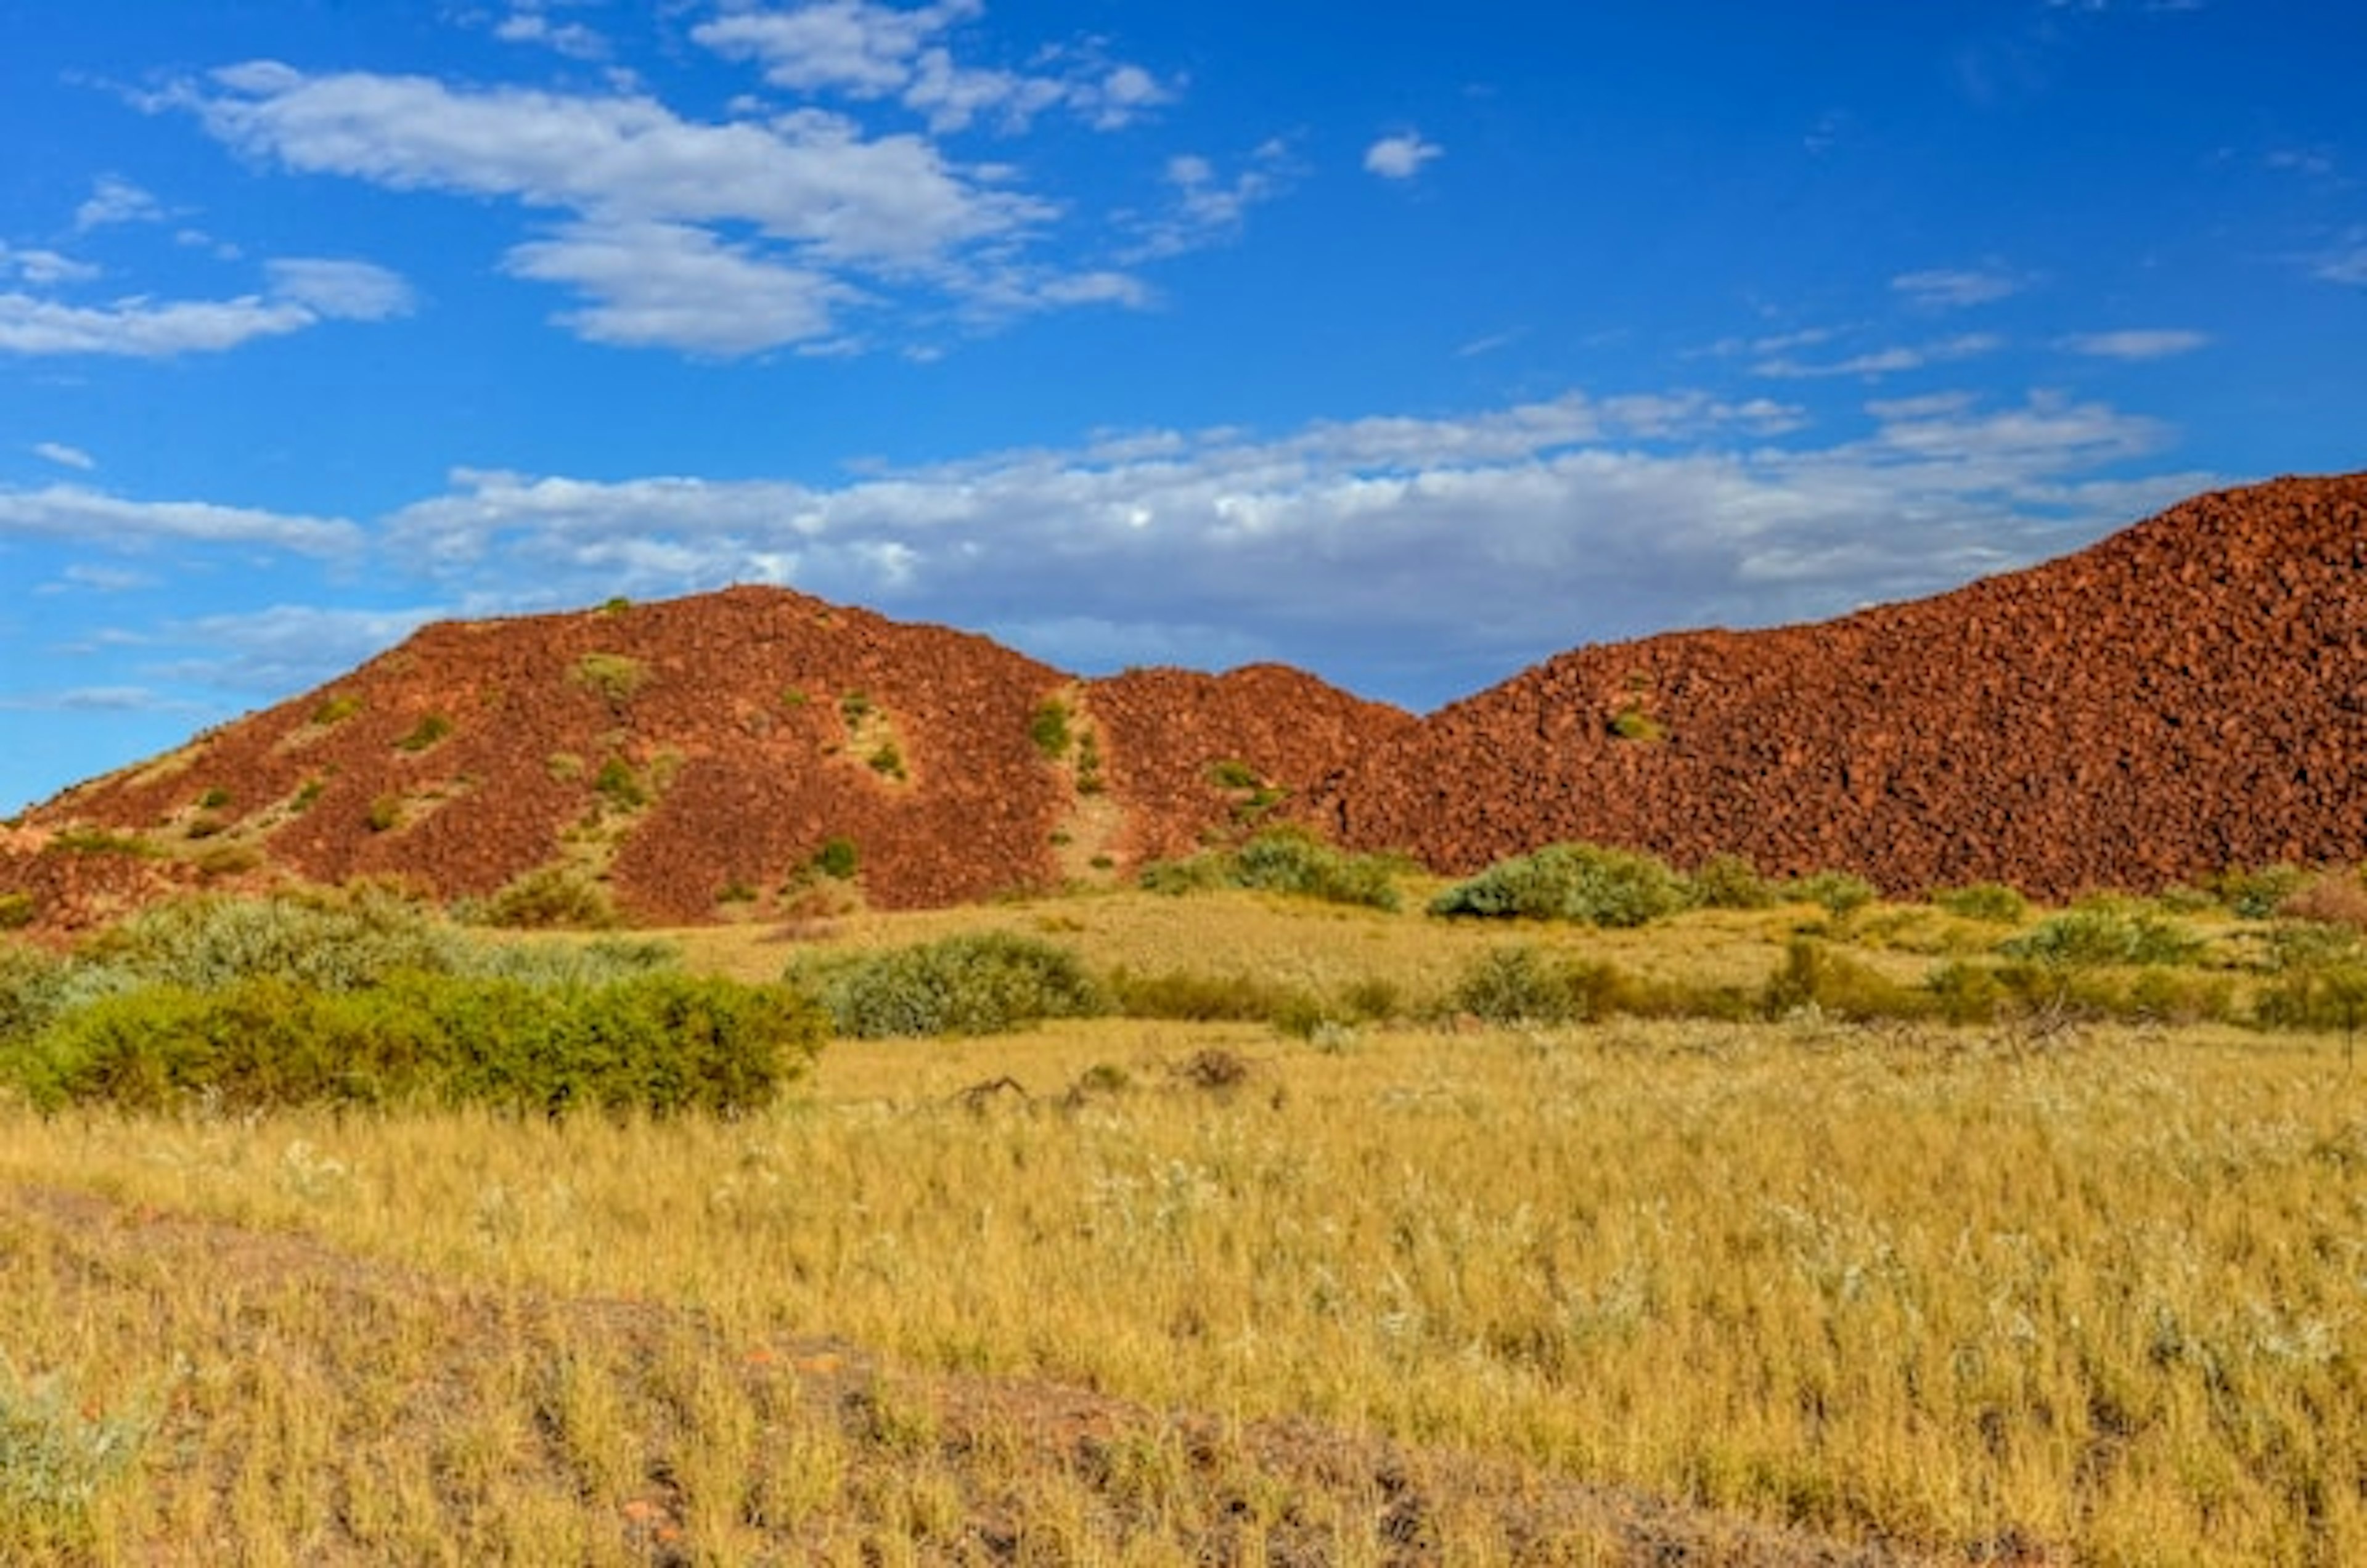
980 983
551 898
657 1044
1522 984
2101 935
1584 883
1990 901
1190 997
1814 976
1840 893
1284 860
1729 882
333 942
2254 893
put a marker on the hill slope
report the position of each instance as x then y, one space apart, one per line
2186 694
690 755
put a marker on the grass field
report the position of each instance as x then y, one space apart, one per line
1147 1291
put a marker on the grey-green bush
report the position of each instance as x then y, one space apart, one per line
1584 883
978 983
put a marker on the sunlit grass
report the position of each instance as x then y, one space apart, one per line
2102 1297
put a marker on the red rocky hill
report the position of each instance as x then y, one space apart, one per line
692 758
2186 695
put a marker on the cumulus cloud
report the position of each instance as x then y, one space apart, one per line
43 269
2136 343
1422 553
528 24
869 51
726 237
1401 157
117 200
1207 207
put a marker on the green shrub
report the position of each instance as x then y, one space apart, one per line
659 1044
15 910
1729 882
2254 893
2101 935
1190 997
1990 901
1047 727
1633 723
982 983
58 1456
620 786
1966 993
1814 975
838 859
888 762
617 677
333 941
336 707
384 815
431 728
1585 883
1842 894
551 898
103 842
1522 984
1282 859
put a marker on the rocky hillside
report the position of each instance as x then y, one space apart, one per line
726 753
2188 695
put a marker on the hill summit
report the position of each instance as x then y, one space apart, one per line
2188 695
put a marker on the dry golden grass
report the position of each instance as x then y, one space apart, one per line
1979 1295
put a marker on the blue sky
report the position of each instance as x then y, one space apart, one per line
1407 343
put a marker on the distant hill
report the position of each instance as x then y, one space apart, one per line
2186 694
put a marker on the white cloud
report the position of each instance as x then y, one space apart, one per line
1205 208
43 268
141 328
574 39
303 294
1956 287
673 285
1886 361
1401 157
1448 549
97 699
2345 263
117 200
341 290
718 238
2158 343
870 51
88 517
65 456
284 647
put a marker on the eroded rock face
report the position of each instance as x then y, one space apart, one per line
2186 694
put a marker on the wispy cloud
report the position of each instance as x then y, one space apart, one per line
2136 343
303 293
85 515
1886 361
1207 205
65 456
1956 287
2345 262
